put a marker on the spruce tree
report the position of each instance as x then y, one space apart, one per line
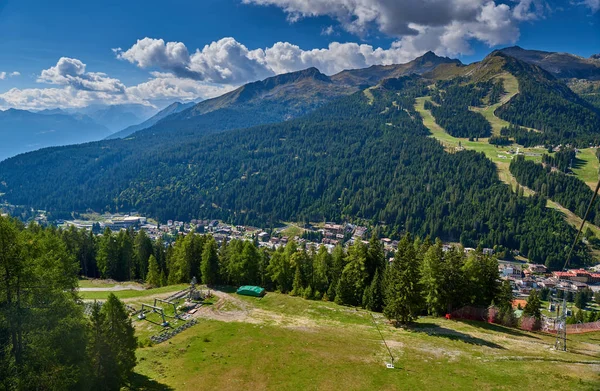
120 337
297 286
432 279
373 294
402 294
210 263
153 276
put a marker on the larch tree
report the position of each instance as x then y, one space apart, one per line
153 275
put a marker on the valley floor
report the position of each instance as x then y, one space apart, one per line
281 342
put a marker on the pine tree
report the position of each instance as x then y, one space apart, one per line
163 279
142 250
297 286
281 271
153 276
402 294
375 259
373 294
432 279
581 300
120 337
102 360
210 263
351 286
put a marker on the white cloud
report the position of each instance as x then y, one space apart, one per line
165 86
72 72
424 24
67 97
530 9
329 30
593 5
15 73
225 61
79 88
2 75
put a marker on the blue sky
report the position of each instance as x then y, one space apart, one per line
63 50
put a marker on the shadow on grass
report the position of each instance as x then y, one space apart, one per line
435 330
144 383
497 328
578 163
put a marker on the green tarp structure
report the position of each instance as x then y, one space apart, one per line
250 290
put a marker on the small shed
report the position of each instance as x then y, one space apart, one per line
249 290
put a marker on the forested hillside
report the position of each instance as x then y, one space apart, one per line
549 106
355 158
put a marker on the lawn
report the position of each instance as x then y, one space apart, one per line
128 294
320 346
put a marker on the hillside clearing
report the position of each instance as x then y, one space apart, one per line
288 343
587 171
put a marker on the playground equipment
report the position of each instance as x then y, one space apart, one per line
151 308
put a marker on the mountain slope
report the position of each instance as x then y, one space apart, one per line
374 74
355 158
24 131
171 109
561 65
284 97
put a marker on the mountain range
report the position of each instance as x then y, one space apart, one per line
305 146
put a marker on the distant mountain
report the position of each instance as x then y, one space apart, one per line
171 109
284 97
561 65
278 98
24 131
372 75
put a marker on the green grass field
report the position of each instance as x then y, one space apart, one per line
287 343
586 167
128 294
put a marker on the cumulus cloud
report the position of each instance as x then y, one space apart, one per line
72 72
166 86
79 88
225 61
2 75
15 73
67 97
530 9
424 24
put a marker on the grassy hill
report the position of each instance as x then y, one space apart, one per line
287 343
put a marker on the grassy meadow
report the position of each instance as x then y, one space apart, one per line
281 342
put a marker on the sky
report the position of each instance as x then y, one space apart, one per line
72 54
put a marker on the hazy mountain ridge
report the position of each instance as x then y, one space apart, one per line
167 111
24 131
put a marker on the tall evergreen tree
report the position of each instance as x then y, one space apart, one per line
402 294
143 250
210 263
120 336
153 275
432 279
